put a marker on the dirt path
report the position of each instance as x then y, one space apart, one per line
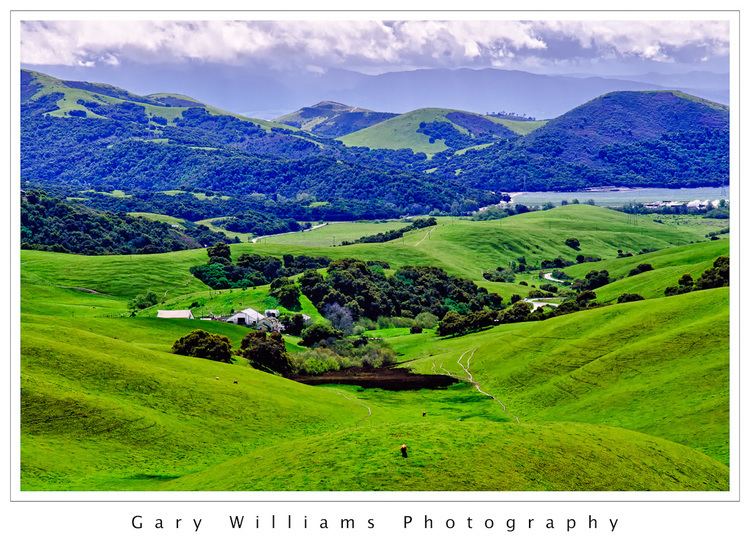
345 396
466 367
549 276
426 235
256 239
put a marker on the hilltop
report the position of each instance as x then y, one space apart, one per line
332 119
85 140
434 130
161 151
666 139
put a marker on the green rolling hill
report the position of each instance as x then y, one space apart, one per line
624 397
403 131
333 119
98 100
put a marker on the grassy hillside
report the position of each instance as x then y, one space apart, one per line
625 397
333 119
105 413
461 247
656 366
104 406
669 265
36 85
399 133
467 456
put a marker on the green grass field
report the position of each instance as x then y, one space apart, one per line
400 132
156 217
624 397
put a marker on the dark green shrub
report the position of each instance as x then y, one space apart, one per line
627 298
266 351
202 344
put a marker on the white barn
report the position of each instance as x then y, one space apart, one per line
186 314
246 317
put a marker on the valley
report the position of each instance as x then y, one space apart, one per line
212 301
621 396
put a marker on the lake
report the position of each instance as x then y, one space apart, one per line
625 195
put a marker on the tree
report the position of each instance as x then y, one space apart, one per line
451 324
219 251
585 297
143 301
517 312
340 317
318 333
716 276
266 351
573 243
686 281
426 320
286 292
293 323
202 344
627 298
641 268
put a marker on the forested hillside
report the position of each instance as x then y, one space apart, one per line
80 137
51 224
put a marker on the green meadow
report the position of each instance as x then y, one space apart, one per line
628 396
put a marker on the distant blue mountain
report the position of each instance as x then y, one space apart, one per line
259 92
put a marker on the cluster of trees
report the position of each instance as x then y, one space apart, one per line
592 281
628 298
496 212
640 268
327 350
286 292
500 274
365 292
454 323
709 211
390 235
260 223
555 263
511 115
253 269
49 223
202 344
715 276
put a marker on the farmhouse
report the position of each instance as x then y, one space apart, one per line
186 314
246 317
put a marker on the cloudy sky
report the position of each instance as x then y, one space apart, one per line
595 47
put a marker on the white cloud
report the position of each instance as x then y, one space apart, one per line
364 44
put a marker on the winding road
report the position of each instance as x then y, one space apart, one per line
256 239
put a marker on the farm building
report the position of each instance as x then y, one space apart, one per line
270 324
186 314
245 317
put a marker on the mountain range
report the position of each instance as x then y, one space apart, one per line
257 91
335 161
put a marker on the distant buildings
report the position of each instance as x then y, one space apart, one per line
268 321
247 317
697 204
